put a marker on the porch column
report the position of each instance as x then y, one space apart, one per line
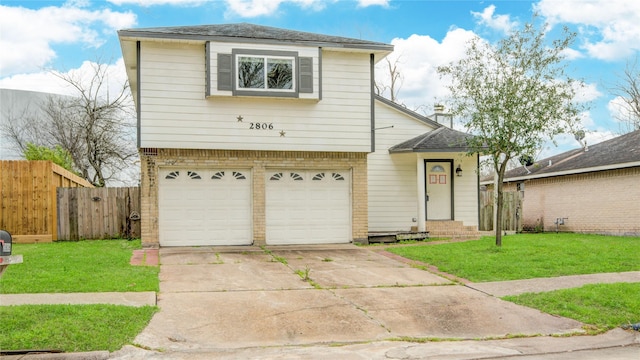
422 206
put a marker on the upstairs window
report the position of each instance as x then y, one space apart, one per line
247 72
265 73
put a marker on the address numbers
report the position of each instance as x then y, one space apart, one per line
261 126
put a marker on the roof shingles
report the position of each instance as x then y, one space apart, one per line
621 150
442 139
250 32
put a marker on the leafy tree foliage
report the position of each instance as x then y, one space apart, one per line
57 154
513 96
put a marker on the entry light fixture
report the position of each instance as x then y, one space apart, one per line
458 171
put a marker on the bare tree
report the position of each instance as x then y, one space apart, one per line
395 80
627 91
95 126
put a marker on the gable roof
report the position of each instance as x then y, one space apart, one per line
620 152
442 139
405 111
251 33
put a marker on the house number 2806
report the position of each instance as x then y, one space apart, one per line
261 126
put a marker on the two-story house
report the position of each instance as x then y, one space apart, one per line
258 135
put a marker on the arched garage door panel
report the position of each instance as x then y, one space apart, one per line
308 207
204 207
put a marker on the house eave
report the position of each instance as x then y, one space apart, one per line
133 35
406 111
405 151
567 172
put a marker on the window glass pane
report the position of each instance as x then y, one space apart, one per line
250 72
280 74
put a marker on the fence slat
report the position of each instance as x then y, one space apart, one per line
511 211
97 213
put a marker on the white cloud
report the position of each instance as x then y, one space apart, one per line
586 92
500 23
255 8
148 3
366 3
28 35
571 54
46 81
609 28
418 59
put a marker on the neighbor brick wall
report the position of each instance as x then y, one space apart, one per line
605 202
257 161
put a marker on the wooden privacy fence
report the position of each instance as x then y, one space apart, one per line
28 198
511 211
98 213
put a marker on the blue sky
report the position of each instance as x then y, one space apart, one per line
36 36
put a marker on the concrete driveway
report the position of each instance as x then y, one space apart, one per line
223 298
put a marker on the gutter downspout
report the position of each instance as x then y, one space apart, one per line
138 96
373 104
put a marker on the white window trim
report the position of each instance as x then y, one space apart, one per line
266 58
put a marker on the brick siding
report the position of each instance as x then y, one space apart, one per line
257 161
604 202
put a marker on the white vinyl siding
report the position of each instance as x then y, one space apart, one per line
176 114
392 179
393 192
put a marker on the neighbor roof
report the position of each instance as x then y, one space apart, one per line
620 152
245 32
442 139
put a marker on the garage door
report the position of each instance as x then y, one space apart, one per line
308 207
204 207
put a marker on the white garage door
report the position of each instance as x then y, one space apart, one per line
204 207
308 207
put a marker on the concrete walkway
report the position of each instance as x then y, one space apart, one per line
496 288
225 303
517 287
115 298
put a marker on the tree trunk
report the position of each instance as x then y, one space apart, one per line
499 205
499 199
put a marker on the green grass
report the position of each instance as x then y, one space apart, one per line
84 266
605 306
525 256
74 328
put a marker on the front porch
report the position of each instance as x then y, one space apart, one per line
449 229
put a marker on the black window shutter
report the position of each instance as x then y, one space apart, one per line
305 76
225 73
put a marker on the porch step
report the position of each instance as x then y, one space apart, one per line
391 237
451 229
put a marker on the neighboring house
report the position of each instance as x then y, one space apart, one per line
16 104
589 190
257 135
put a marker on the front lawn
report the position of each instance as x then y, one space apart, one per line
72 328
83 266
525 256
605 306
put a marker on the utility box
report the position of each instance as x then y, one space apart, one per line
5 243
